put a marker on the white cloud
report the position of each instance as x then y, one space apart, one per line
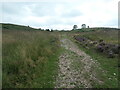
62 14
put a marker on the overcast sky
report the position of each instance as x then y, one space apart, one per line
62 14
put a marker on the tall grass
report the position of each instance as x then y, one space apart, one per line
29 58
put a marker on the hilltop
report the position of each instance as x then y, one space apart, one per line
7 26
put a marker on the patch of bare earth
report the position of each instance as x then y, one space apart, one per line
76 68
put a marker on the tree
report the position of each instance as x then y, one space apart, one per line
47 30
75 27
40 29
51 30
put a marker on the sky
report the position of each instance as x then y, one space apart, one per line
61 14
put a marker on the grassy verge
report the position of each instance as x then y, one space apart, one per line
29 58
109 65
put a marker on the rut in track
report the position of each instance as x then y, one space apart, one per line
76 68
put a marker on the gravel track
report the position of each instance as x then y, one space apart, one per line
76 68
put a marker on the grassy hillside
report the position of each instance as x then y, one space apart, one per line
94 29
29 57
109 36
15 27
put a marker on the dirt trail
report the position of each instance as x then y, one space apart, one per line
76 68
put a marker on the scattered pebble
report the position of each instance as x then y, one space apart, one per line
114 73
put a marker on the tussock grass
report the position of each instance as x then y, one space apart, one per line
29 58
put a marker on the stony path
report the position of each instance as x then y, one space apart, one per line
76 68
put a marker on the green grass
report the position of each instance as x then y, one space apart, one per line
29 58
110 65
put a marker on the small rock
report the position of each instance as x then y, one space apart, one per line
114 73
